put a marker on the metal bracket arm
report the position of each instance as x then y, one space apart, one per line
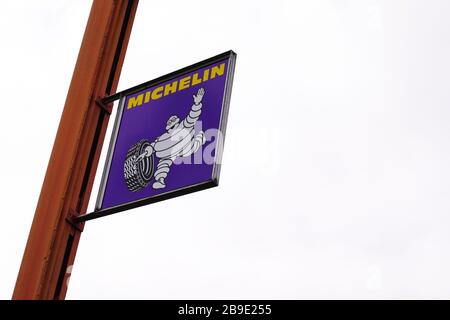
105 107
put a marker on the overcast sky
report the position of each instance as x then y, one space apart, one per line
335 176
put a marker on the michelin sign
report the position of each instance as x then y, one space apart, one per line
168 136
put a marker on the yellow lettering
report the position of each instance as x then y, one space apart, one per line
206 75
147 96
184 83
195 79
135 101
157 93
170 88
218 70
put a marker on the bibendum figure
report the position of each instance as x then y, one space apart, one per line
179 140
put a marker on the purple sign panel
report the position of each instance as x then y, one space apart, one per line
168 136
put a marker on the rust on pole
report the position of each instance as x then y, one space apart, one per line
54 236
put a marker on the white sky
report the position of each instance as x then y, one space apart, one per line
335 177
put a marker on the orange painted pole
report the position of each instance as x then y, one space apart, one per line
53 239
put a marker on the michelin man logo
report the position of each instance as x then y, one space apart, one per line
179 140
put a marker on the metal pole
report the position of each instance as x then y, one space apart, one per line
54 236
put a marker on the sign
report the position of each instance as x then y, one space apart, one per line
168 136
